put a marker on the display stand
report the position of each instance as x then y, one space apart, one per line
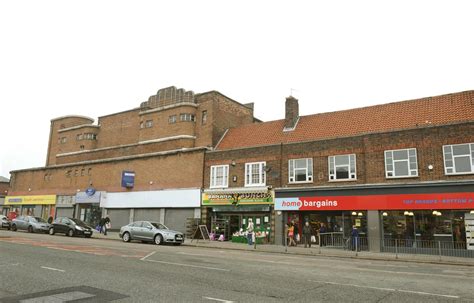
202 229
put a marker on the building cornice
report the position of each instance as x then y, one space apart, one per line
162 108
124 158
72 116
77 127
126 145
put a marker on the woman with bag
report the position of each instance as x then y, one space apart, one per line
291 235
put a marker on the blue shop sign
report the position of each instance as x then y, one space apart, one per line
128 179
90 191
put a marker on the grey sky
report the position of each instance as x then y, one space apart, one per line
95 58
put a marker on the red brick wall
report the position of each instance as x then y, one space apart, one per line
369 150
178 170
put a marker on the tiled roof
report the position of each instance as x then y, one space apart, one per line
439 110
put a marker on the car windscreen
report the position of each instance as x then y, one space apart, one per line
158 225
39 220
78 222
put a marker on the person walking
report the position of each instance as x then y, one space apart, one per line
296 233
322 234
307 235
250 232
291 235
355 238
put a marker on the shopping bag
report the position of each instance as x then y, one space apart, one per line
313 239
297 237
108 226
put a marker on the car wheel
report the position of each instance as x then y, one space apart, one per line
14 227
51 231
126 237
70 233
30 229
158 239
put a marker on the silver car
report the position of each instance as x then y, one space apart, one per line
5 223
30 223
147 231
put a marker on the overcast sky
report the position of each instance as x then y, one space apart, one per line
95 58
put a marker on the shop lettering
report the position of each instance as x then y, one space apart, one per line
319 204
291 204
246 196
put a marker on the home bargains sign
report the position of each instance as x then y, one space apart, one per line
379 202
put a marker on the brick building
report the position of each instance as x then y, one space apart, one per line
4 185
396 171
143 163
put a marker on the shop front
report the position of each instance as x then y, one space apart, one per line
65 206
87 206
36 205
173 208
228 212
385 215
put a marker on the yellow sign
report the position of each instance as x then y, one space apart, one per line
30 200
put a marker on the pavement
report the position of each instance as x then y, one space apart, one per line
315 250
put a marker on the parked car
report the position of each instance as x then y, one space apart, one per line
70 227
150 232
5 222
30 223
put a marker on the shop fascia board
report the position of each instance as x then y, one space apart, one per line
236 190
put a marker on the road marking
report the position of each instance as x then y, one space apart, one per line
55 269
388 289
188 265
149 255
13 264
219 300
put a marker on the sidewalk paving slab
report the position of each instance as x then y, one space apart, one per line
313 251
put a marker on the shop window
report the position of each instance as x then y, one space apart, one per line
186 117
459 159
219 176
204 117
300 170
342 167
172 119
401 163
255 174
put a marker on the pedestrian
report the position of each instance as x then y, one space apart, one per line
107 225
101 225
355 238
307 234
291 234
296 233
322 234
250 232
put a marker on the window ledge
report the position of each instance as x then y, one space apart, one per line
402 177
343 180
459 174
301 182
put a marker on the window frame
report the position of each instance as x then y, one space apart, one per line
172 119
292 171
262 175
204 117
187 117
149 123
408 160
453 167
335 179
213 176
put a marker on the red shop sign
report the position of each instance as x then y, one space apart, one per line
378 202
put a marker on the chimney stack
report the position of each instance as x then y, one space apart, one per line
291 113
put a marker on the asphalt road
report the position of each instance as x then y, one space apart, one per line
44 268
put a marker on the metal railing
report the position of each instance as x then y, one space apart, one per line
398 248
